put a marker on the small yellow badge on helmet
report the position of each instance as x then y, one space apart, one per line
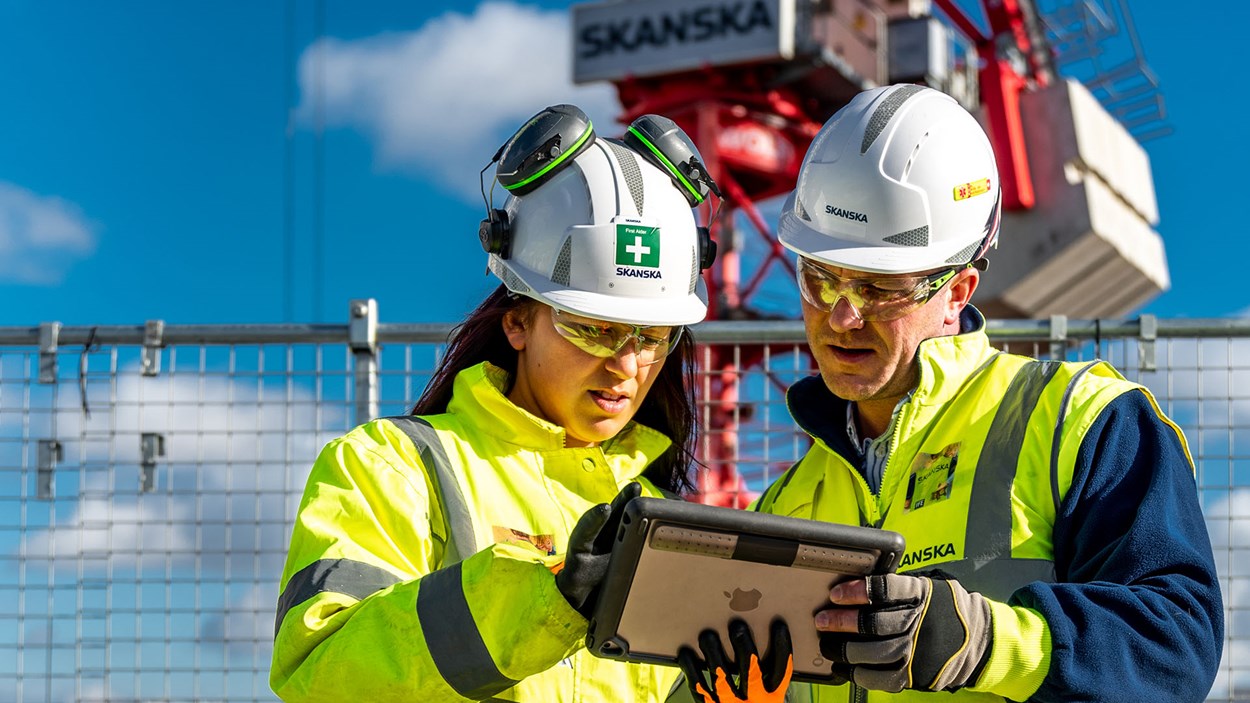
974 188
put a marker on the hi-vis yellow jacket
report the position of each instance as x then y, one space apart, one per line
981 463
420 571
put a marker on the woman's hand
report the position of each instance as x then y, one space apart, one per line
590 547
757 681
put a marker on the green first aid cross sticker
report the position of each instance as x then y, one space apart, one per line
638 246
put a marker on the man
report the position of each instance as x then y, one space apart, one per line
1055 546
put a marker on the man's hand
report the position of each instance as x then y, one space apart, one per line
758 681
896 632
590 547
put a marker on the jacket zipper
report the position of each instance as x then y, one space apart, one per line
857 694
899 421
904 414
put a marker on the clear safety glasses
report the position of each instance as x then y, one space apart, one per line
874 299
604 339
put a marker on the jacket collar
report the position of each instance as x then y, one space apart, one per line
945 363
478 397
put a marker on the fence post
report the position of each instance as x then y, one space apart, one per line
153 341
1149 332
362 334
48 334
1058 337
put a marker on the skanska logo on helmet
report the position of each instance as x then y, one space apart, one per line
848 214
637 251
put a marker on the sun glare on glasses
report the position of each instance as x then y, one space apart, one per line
881 298
604 339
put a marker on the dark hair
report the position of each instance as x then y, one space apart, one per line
669 407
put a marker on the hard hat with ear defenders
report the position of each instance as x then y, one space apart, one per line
598 227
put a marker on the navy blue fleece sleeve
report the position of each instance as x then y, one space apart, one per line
1136 614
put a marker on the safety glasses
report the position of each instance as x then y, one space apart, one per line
874 299
605 339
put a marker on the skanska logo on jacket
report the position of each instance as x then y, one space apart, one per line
848 214
638 251
928 554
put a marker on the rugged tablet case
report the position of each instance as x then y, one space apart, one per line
678 568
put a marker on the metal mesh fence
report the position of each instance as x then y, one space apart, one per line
149 475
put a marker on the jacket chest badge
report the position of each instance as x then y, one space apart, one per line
932 477
545 544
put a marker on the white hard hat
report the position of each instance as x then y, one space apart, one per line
599 227
607 234
900 180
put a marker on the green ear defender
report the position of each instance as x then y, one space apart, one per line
659 140
664 144
536 152
541 146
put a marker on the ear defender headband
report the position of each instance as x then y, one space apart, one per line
665 145
555 136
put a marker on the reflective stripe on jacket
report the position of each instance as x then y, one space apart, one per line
393 593
982 456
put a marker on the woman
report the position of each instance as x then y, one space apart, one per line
440 556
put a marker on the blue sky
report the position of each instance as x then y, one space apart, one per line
145 174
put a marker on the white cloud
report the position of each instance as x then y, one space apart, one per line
227 488
1203 385
40 236
247 627
224 490
1228 523
442 98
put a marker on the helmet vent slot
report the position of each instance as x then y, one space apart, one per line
802 210
560 274
911 158
884 112
918 237
633 174
694 272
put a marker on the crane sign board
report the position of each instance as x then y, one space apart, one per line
615 40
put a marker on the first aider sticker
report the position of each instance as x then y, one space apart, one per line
637 245
972 189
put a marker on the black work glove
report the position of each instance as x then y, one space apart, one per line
757 681
590 546
925 633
